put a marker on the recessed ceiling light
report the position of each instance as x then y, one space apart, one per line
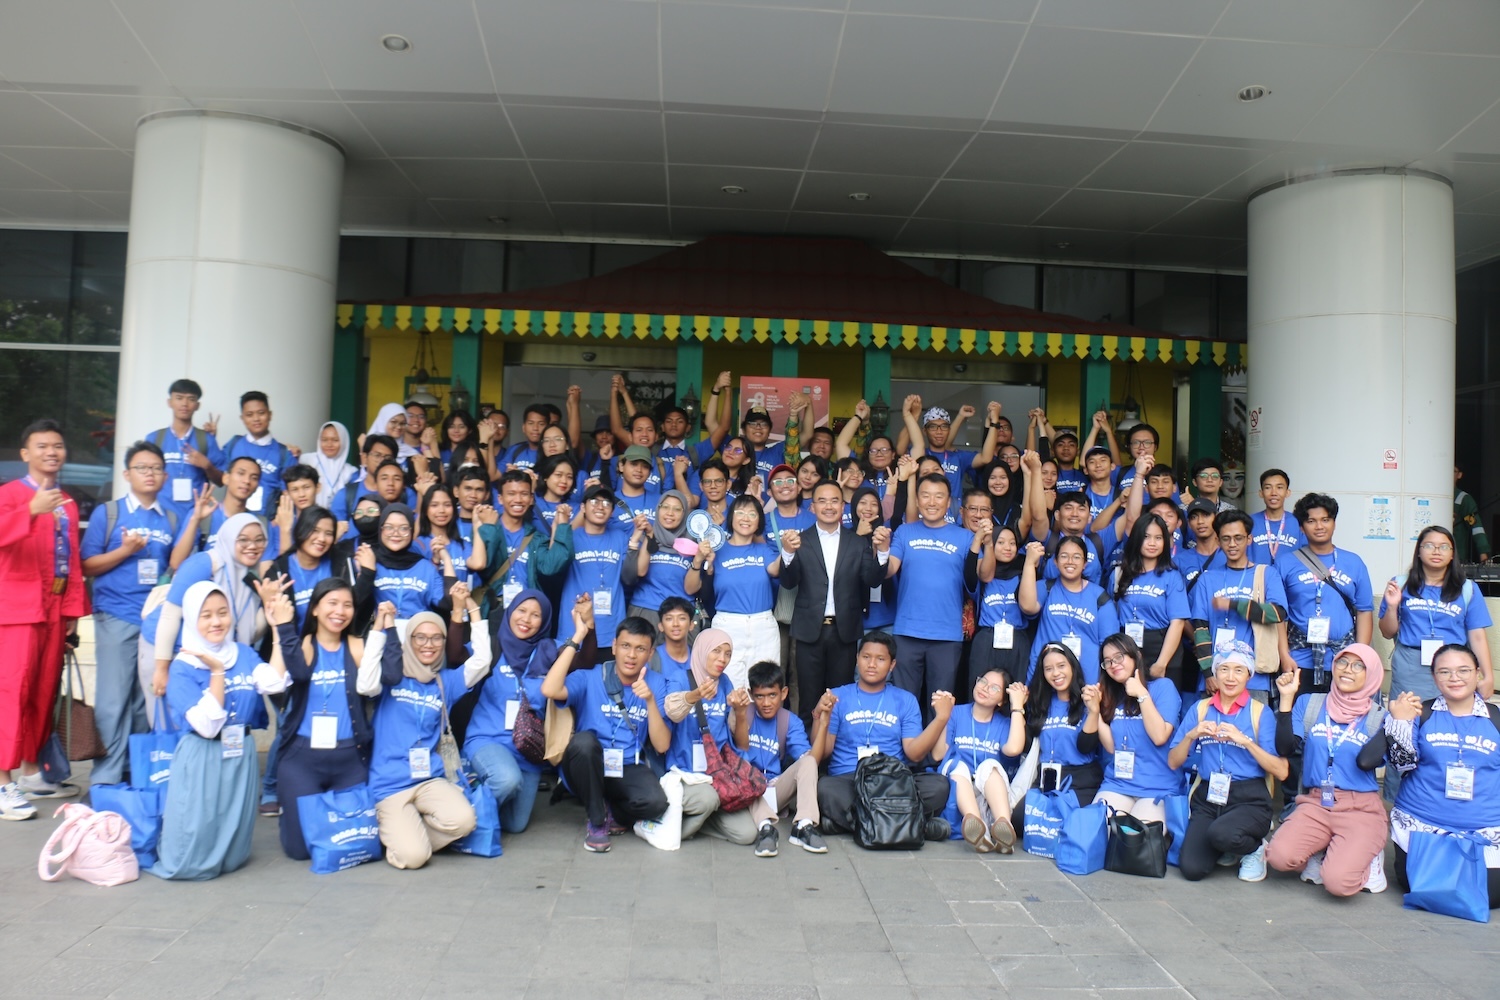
732 189
1061 246
859 196
1254 92
498 220
395 43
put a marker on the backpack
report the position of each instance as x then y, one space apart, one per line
112 518
1494 712
1374 718
887 809
200 440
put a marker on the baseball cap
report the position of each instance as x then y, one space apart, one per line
756 413
1201 506
637 453
600 490
783 467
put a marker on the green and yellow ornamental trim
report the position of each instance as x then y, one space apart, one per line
811 332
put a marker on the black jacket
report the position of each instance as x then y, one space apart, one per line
856 573
301 676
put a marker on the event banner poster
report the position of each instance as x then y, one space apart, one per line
774 395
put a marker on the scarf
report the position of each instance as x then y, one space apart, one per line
387 413
667 537
404 558
531 657
230 573
192 605
333 473
1012 569
1345 708
410 665
707 641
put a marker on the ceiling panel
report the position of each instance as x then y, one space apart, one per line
392 215
1031 159
1003 204
105 56
29 122
77 169
696 223
477 215
17 177
459 129
610 220
113 118
1152 250
1360 24
1119 210
1408 100
1483 136
1172 17
888 195
446 55
377 179
750 142
886 150
1473 232
747 57
55 207
1207 217
700 187
503 180
1468 26
552 133
623 183
1472 181
1069 76
922 66
1166 168
537 47
992 10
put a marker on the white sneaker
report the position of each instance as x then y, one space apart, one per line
1375 882
34 786
13 804
1253 866
1313 871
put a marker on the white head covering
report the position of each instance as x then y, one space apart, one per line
192 604
384 417
229 576
333 473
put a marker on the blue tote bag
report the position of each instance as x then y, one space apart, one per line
151 753
340 828
1082 840
1177 808
141 808
484 842
1447 875
1045 812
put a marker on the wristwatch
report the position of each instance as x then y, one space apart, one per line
570 644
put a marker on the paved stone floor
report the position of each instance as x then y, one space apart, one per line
550 920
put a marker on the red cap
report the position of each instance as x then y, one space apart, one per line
780 467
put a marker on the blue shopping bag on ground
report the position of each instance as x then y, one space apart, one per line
340 828
1447 875
151 753
1177 808
1045 812
141 808
484 841
1082 840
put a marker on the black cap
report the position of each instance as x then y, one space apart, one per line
602 423
756 413
1202 506
600 490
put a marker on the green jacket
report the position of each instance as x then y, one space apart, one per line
546 558
1469 537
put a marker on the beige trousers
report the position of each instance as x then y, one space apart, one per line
422 819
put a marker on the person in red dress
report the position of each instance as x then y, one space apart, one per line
41 599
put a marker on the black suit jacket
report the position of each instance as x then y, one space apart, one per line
856 571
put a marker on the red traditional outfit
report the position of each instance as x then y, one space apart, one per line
33 604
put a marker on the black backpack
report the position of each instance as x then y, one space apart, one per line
887 810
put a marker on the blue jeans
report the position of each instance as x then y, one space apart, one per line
273 759
513 785
119 703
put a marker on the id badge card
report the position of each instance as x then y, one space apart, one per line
1074 643
419 759
257 499
512 709
1327 794
182 491
875 597
1429 650
868 751
1223 636
1136 631
614 763
233 738
147 572
1460 783
604 602
1317 630
325 731
1218 788
510 591
1005 636
700 758
1124 764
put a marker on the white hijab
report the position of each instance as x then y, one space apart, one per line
192 605
229 577
388 412
333 473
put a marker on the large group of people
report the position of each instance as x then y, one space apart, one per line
807 602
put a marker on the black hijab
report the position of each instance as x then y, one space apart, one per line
396 558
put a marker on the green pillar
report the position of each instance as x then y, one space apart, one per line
690 374
783 360
1093 391
343 401
466 366
1205 412
878 385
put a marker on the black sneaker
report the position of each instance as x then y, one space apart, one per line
937 828
807 837
765 842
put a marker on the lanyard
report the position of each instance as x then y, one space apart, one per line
1214 707
870 733
61 547
1318 593
1333 746
1273 534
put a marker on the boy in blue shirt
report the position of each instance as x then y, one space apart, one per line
773 740
271 455
193 456
1272 535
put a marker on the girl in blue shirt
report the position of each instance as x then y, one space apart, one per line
437 528
313 559
1151 602
981 739
1062 716
738 579
660 569
880 607
1138 713
402 575
557 483
1074 612
1003 638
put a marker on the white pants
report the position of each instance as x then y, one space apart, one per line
978 779
756 638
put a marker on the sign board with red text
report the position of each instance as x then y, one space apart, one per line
774 395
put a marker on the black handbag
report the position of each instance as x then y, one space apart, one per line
887 809
1136 847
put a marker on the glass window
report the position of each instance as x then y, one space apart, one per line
541 265
372 268
36 270
98 287
1234 306
1091 293
1012 284
457 267
1178 302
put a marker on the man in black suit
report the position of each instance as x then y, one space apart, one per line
833 570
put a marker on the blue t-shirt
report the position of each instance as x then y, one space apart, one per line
303 582
413 590
595 569
1087 618
1091 565
930 582
664 578
595 711
1346 740
742 585
523 456
768 458
173 449
1059 739
1099 501
1284 535
997 603
459 551
410 716
880 614
1191 563
1428 616
970 742
1221 755
1446 739
631 506
186 684
1154 600
1235 584
196 568
1306 597
880 719
122 591
327 692
777 522
273 458
1072 481
956 464
765 751
487 726
1153 777
685 732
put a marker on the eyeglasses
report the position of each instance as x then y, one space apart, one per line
1349 663
1209 475
976 510
784 481
736 450
398 530
427 640
251 543
882 450
720 482
148 470
1454 673
991 686
1116 660
1436 547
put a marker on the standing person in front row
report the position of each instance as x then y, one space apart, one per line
214 697
1448 750
1328 600
1434 607
419 809
1336 835
739 584
1138 712
1230 812
974 749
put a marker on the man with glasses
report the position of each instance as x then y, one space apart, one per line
1239 602
1208 479
937 430
131 545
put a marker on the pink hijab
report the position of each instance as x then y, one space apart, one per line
1345 708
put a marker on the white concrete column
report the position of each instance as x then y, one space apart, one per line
1351 318
230 271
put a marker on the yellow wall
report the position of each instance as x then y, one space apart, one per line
843 367
391 353
1063 387
491 371
1154 390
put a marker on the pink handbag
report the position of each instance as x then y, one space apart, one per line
93 846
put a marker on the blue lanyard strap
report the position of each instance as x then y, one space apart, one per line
61 544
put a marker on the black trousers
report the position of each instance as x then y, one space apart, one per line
637 794
1085 781
1493 873
305 771
826 662
927 665
1236 827
836 797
